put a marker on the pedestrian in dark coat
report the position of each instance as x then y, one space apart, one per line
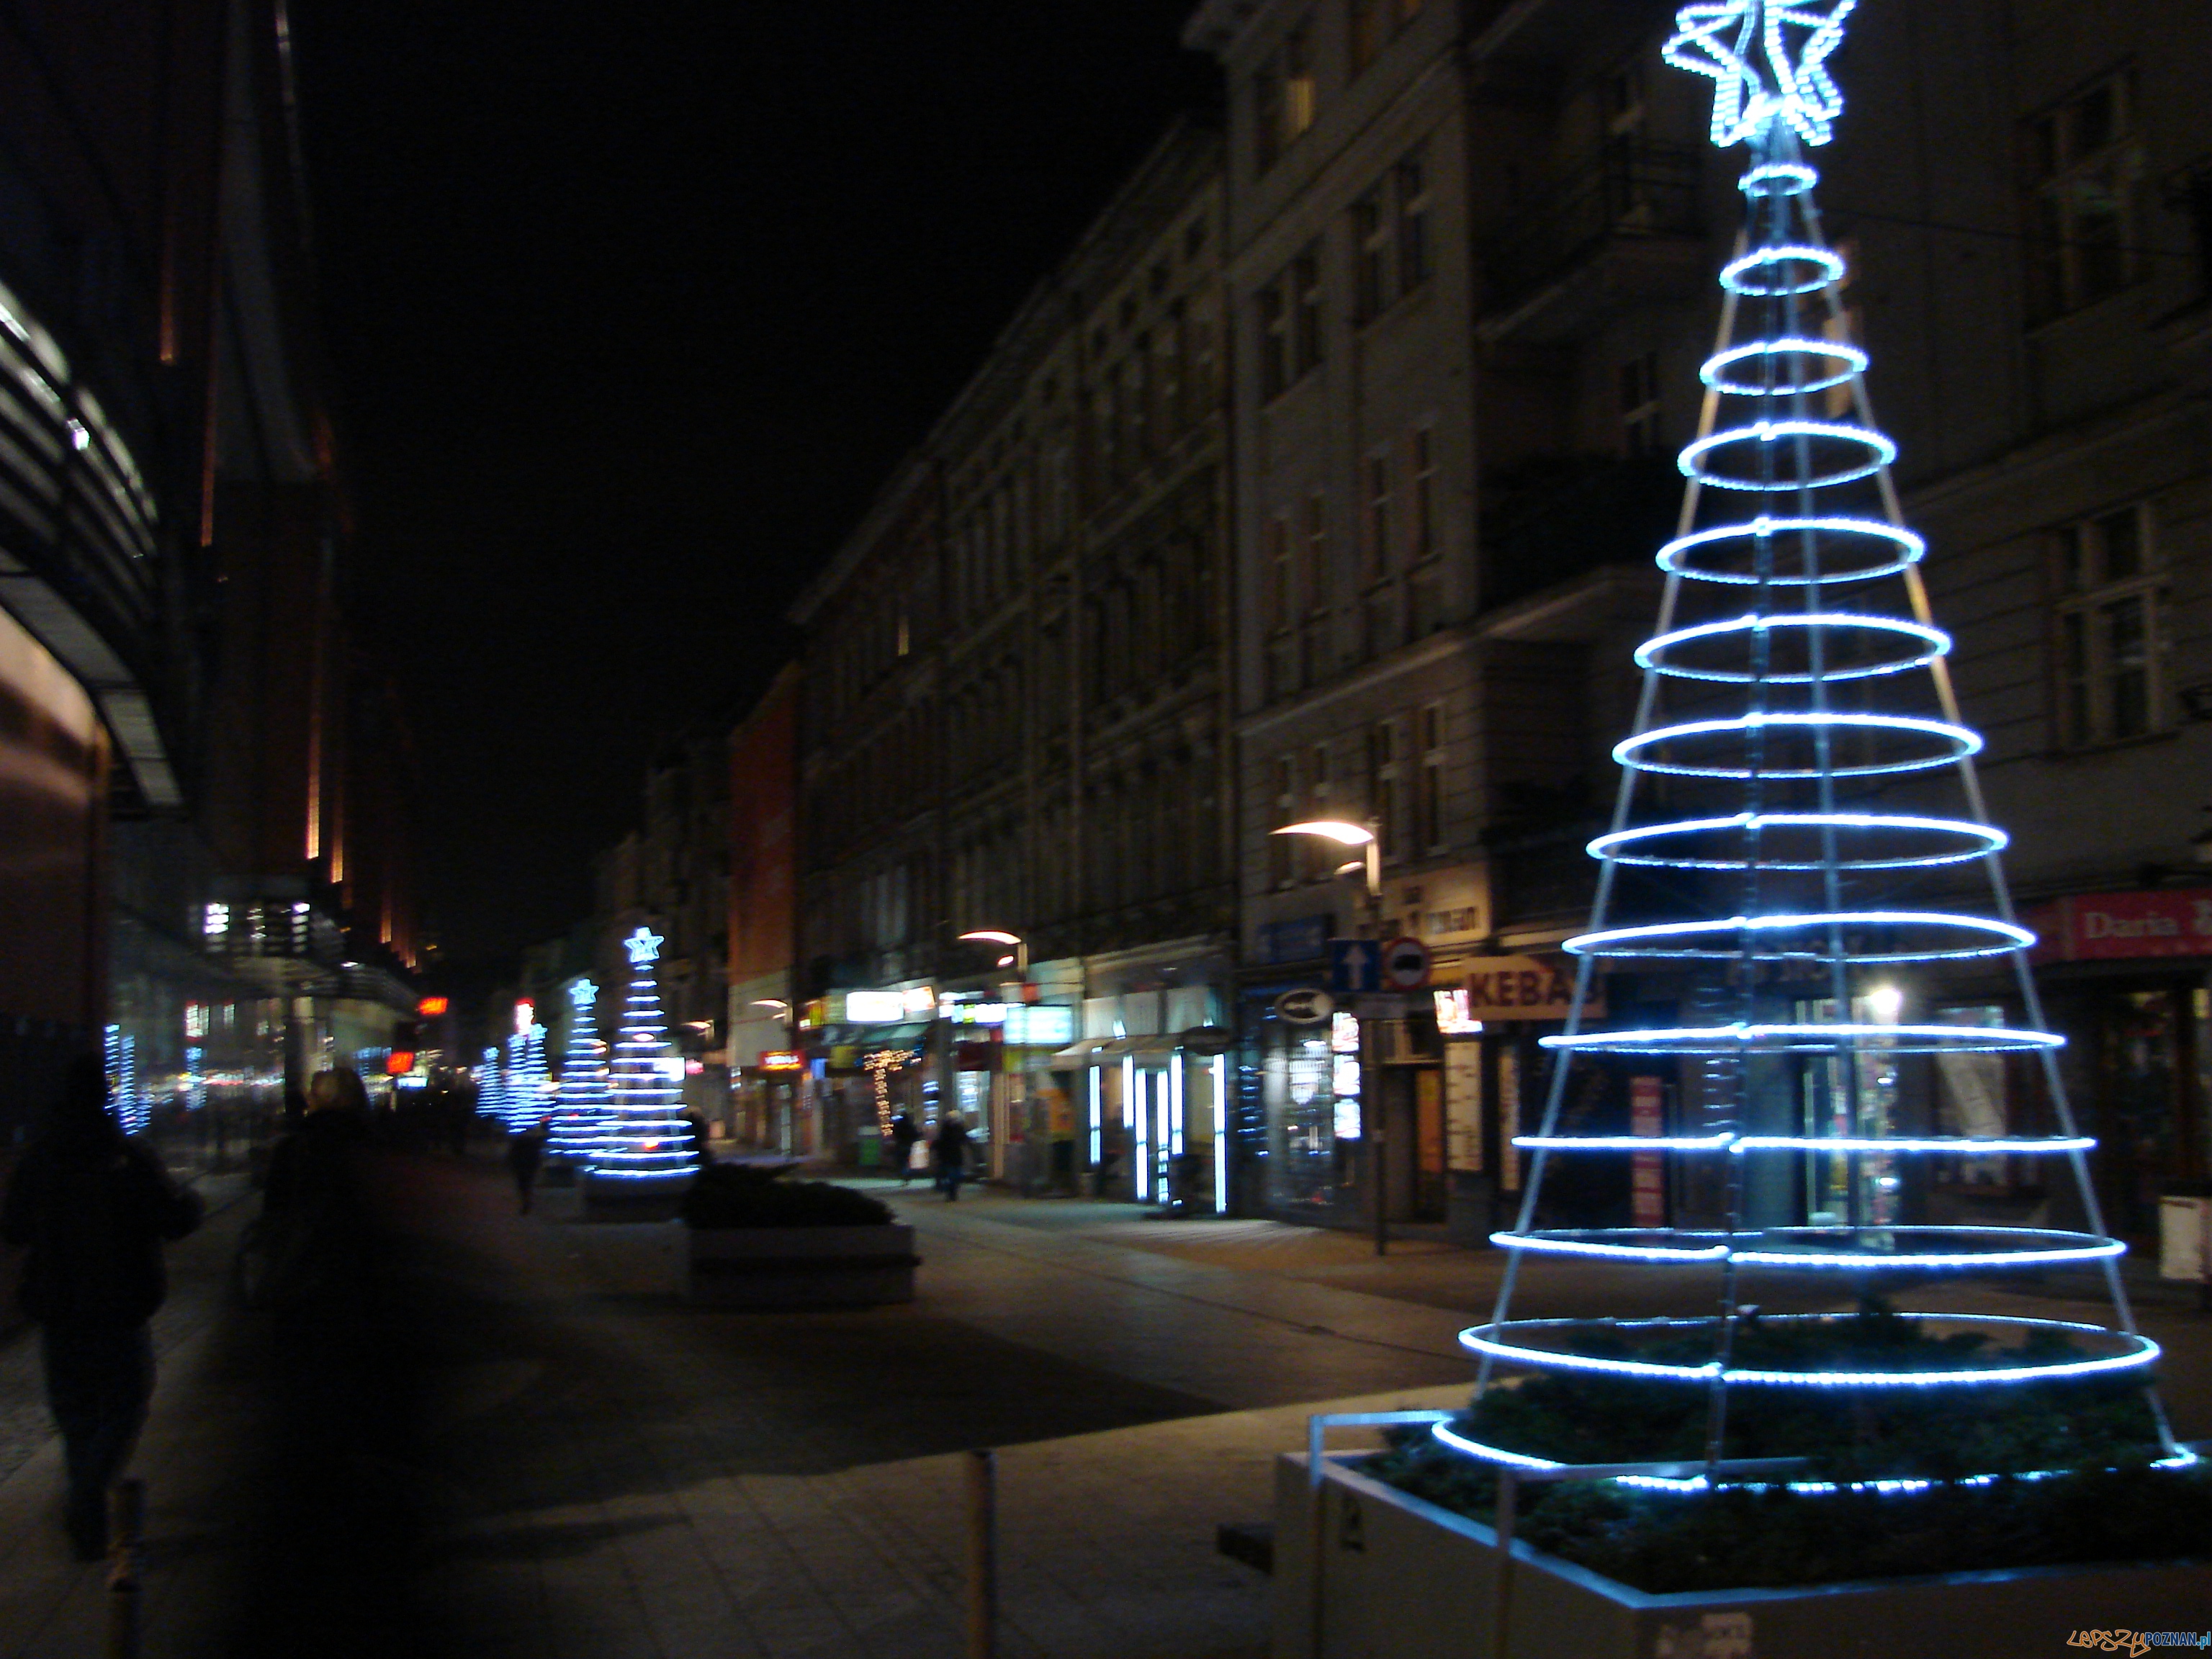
904 1133
314 1198
525 1150
93 1207
951 1154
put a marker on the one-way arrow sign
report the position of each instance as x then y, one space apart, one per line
1355 965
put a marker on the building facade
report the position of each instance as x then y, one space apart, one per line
1014 720
205 838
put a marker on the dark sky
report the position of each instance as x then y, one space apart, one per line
631 309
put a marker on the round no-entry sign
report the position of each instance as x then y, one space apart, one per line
1405 964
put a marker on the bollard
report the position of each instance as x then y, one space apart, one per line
126 1520
982 1555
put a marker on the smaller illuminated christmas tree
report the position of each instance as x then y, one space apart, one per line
491 1085
529 1092
647 1151
579 1112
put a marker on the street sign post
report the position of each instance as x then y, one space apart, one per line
1405 964
1355 966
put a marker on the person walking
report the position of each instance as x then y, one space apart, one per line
951 1154
904 1133
93 1207
525 1150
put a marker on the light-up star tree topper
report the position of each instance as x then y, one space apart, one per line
1798 811
646 1147
580 1114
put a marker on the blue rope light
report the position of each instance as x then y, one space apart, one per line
2135 1351
1973 840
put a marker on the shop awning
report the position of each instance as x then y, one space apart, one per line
874 1039
1077 1055
1151 1044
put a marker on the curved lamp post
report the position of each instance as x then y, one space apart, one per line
1368 837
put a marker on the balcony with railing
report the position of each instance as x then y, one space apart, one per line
1549 521
1623 228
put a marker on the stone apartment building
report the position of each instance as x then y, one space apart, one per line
1471 256
1014 716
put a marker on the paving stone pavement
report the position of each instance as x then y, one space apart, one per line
575 1463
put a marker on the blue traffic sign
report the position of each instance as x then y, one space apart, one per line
1355 966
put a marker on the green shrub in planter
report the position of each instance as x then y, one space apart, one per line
2107 1505
734 1196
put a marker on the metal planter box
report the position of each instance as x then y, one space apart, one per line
798 1267
1404 1579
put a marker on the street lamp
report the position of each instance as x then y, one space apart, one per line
1368 837
1020 961
782 1012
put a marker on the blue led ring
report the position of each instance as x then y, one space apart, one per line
1897 546
1731 937
1879 450
1848 361
1926 644
1838 1038
1953 841
1958 1145
1951 743
2134 1351
1907 1248
1785 268
1778 179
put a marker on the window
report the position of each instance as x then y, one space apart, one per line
1279 608
2109 636
1382 784
1373 24
1429 783
1390 237
1375 516
2081 163
1282 99
1273 323
1640 404
1371 257
1316 574
1409 184
1421 493
1305 291
1298 83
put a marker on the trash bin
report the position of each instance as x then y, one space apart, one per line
2184 1231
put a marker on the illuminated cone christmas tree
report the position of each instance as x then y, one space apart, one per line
579 1113
1799 856
529 1091
646 1147
491 1084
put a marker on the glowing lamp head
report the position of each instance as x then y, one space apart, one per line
992 936
1335 829
1886 1003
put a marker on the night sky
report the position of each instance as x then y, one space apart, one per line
630 311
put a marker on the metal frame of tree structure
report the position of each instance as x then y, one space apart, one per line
1798 807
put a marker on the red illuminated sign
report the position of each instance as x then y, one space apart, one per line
781 1059
2108 927
431 1007
398 1063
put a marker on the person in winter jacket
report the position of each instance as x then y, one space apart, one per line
93 1207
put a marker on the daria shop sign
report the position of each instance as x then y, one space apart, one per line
1527 987
2108 927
